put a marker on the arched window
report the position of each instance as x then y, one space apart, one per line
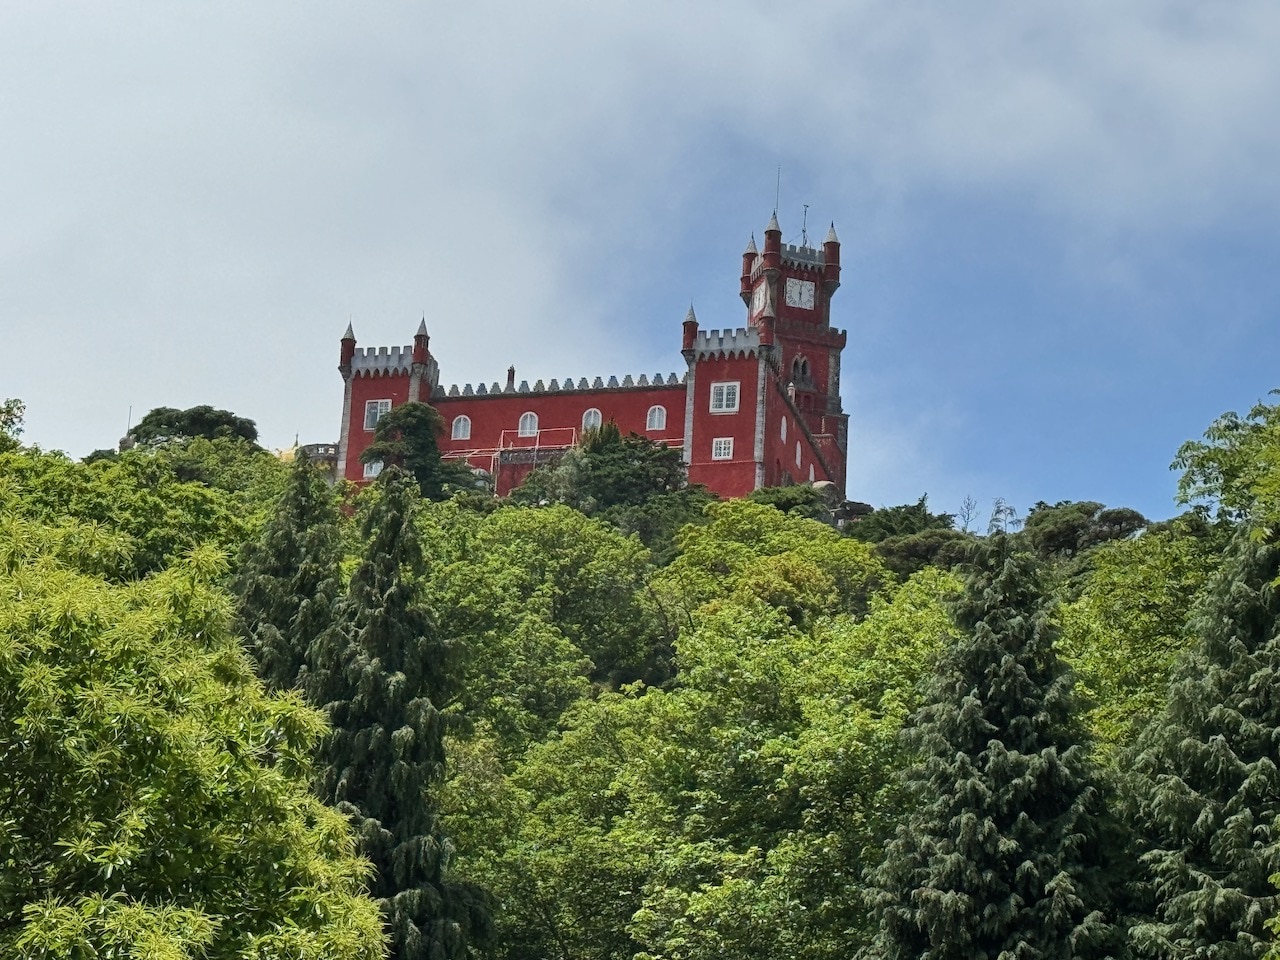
591 419
797 453
528 425
784 429
657 419
811 473
462 428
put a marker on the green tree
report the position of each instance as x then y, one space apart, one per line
167 423
11 414
1069 528
909 518
1207 784
155 802
384 761
1000 853
290 580
406 437
1234 469
797 500
1128 626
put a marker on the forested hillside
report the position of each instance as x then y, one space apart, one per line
248 714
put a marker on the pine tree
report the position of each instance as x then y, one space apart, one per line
1207 782
999 856
290 580
385 757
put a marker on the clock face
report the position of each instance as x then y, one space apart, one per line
800 293
757 299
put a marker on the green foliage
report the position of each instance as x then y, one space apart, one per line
999 854
291 578
164 424
155 801
725 816
381 673
802 564
11 413
797 500
900 521
936 547
1128 626
1069 528
631 482
540 604
1207 785
138 495
1235 468
405 437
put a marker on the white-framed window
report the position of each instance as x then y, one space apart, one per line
724 397
591 419
797 453
372 469
657 419
374 410
784 429
462 428
722 448
811 473
528 424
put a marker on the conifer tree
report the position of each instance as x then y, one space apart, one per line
385 757
999 856
290 581
1207 781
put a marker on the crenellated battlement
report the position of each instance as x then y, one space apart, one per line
744 342
376 361
569 386
803 256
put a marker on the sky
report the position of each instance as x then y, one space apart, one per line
1059 222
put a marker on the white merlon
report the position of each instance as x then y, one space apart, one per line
804 255
628 382
743 340
370 360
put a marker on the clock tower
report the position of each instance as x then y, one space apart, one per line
788 289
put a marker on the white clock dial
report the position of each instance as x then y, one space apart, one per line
800 293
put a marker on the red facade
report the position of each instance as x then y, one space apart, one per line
756 406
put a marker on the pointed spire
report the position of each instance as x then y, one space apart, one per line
751 246
350 334
773 223
690 315
422 328
831 234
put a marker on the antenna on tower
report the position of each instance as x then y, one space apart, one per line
804 228
777 189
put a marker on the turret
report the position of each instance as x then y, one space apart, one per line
346 352
831 260
420 340
749 257
773 246
690 329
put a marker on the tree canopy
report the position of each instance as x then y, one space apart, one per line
167 423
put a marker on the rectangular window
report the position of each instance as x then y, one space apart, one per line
722 448
372 469
373 411
724 397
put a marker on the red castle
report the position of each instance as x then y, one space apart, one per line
758 406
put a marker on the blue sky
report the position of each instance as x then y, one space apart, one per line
1059 222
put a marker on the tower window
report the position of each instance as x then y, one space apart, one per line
811 473
657 419
374 410
724 397
784 429
797 453
462 428
528 425
591 419
722 448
